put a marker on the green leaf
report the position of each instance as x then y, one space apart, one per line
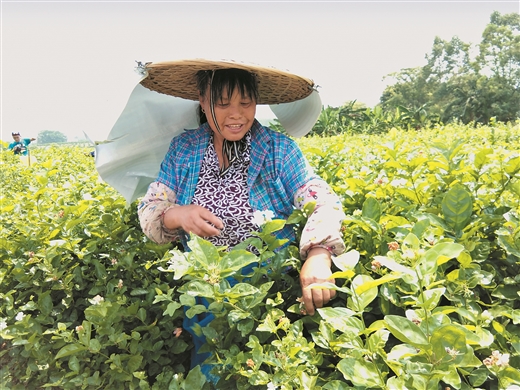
406 331
259 378
45 303
509 376
377 341
194 310
134 363
358 302
204 252
74 363
307 382
377 282
478 377
485 336
393 265
371 209
336 385
348 274
440 253
70 349
411 241
171 308
452 377
94 346
341 318
308 208
448 339
429 299
234 261
347 260
237 315
482 157
187 300
138 291
198 288
512 166
241 290
457 207
273 226
420 227
360 372
85 334
195 379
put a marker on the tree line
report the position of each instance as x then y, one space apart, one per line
460 83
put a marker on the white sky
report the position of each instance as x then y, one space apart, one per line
69 66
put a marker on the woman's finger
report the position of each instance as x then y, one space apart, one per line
211 218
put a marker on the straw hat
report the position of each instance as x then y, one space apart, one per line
178 78
130 159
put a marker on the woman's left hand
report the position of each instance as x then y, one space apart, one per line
316 269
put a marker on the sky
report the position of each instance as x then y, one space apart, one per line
68 66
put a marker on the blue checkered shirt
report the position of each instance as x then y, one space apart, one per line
276 171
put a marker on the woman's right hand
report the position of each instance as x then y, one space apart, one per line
193 219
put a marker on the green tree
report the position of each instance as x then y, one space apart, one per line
328 122
500 57
456 87
50 136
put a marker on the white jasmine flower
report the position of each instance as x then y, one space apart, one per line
497 359
412 316
409 254
398 182
262 217
381 180
369 157
452 352
271 386
3 324
502 360
486 316
19 316
96 300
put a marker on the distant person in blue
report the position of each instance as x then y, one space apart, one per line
19 146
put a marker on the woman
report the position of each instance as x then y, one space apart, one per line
213 178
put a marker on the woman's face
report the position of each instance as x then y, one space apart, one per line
234 115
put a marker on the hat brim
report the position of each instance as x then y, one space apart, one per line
130 159
178 78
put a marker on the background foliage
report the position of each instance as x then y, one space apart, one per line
465 83
427 292
50 137
460 83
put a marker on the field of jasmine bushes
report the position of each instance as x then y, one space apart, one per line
427 292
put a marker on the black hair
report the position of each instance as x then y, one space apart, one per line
227 80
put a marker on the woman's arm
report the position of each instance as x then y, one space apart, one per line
163 220
321 238
159 199
323 227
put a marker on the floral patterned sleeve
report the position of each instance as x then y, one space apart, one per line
158 199
323 228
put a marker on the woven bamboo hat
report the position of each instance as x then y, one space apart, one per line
178 78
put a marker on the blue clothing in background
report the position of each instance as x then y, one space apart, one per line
20 147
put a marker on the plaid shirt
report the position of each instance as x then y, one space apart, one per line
277 170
